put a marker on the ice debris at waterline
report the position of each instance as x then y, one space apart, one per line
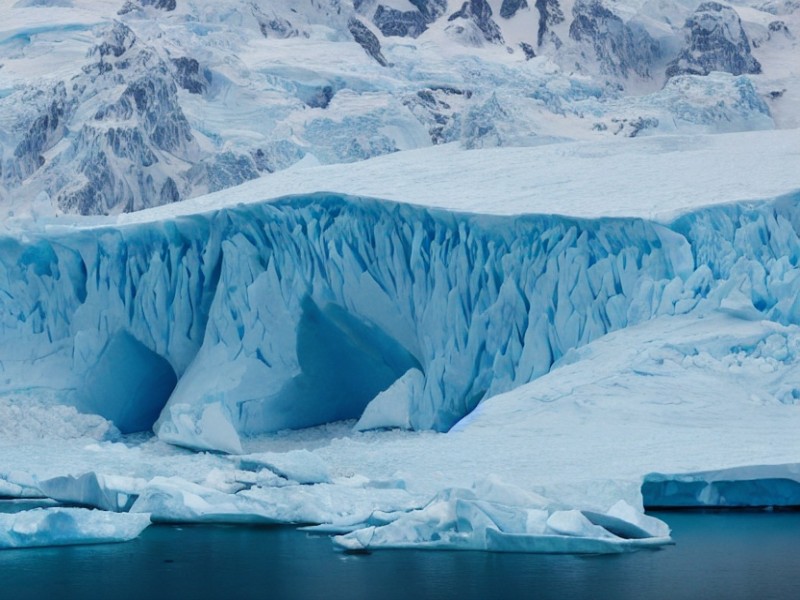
68 526
482 519
305 310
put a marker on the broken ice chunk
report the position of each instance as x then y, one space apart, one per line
68 526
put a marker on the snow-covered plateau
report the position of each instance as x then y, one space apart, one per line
519 356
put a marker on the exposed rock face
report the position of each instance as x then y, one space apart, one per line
278 28
42 134
160 4
367 40
618 48
440 110
393 22
550 14
716 41
480 13
528 50
189 76
131 5
410 23
510 7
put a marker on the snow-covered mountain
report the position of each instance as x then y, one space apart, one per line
110 106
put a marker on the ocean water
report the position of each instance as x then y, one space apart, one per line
717 555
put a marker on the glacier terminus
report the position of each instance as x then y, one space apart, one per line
487 275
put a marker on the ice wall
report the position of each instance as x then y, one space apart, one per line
302 311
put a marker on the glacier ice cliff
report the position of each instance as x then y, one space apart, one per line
317 308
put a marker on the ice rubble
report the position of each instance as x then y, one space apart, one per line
495 516
67 526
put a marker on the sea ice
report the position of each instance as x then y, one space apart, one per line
301 466
68 526
106 492
458 519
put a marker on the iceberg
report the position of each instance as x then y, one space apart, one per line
105 492
300 466
570 356
746 486
460 519
68 526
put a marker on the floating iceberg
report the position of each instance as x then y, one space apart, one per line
751 486
460 519
68 526
301 466
105 492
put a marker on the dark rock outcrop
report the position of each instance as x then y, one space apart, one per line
618 48
189 76
42 134
480 13
277 28
367 40
408 23
550 14
393 22
510 7
716 41
528 50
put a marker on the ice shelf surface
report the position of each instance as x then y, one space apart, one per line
405 375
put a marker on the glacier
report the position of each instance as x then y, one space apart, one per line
317 304
410 374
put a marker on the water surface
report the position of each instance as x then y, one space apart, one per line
717 555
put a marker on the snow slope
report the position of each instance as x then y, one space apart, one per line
650 178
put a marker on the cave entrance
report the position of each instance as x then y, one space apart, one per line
129 385
345 361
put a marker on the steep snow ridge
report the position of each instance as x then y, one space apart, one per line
301 311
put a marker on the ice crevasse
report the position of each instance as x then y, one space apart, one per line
323 307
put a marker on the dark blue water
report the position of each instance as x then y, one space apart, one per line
717 556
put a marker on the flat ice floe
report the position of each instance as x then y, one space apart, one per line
68 526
